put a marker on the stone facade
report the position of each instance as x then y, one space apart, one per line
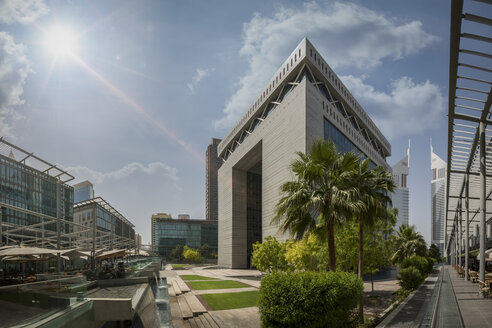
292 112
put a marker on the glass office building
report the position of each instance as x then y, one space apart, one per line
29 199
168 233
113 230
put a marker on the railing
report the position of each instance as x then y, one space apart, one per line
32 302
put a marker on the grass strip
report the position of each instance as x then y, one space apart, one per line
179 266
217 284
227 301
190 277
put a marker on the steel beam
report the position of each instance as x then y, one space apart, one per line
467 228
483 203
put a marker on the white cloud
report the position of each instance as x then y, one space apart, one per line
200 75
22 11
155 168
408 109
347 35
14 68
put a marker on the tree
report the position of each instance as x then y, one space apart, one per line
434 252
204 251
408 242
377 248
191 254
303 254
320 197
374 186
177 253
269 256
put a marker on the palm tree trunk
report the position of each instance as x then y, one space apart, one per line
360 271
331 246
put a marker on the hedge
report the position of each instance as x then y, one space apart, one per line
410 278
423 264
309 299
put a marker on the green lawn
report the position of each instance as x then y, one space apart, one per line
179 266
228 301
188 277
216 284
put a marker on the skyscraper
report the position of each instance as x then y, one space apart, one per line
438 200
304 101
83 191
400 197
212 166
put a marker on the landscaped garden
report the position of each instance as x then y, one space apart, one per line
337 212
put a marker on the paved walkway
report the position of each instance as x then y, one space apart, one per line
412 311
458 304
475 311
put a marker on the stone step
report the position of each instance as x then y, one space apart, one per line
175 310
195 305
210 320
170 291
182 285
177 289
184 307
204 321
193 323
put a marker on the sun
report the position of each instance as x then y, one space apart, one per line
60 41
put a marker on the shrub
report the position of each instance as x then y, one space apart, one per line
410 278
191 254
269 256
309 299
424 265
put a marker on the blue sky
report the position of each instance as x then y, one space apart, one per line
151 82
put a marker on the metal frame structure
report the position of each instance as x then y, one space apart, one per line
469 161
36 234
99 238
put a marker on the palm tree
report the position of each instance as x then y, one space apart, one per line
321 196
374 187
408 242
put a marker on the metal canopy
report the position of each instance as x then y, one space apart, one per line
104 204
34 161
469 161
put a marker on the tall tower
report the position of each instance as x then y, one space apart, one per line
401 194
438 199
213 163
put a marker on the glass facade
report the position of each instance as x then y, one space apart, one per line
27 188
82 193
342 142
253 208
168 233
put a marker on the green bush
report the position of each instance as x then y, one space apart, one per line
410 278
424 265
269 256
191 254
309 299
430 264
